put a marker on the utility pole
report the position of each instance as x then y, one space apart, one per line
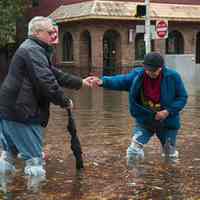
147 27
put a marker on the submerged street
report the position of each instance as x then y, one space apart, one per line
94 38
104 127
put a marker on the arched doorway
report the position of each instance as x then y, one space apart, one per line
85 53
198 48
175 43
111 52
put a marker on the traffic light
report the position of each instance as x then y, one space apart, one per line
140 10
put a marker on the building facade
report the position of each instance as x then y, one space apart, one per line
105 37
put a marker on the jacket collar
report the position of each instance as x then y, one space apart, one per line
166 72
41 43
48 48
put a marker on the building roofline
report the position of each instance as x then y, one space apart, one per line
120 10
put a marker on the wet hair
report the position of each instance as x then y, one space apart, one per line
37 24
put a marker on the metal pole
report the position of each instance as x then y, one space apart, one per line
147 27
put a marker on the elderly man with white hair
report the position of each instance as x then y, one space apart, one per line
32 83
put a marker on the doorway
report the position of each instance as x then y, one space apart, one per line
111 52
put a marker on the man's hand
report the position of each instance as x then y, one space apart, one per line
91 81
161 115
88 81
97 81
67 103
71 106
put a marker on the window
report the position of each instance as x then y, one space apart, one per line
175 43
140 46
67 47
35 3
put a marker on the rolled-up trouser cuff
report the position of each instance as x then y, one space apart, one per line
135 143
34 167
34 161
135 151
5 155
6 163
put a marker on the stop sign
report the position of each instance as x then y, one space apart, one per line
162 29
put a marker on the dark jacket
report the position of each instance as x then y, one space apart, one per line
173 96
32 83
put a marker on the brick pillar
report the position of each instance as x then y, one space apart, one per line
97 52
127 50
189 41
160 45
76 42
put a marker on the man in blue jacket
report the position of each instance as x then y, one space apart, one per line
32 83
156 97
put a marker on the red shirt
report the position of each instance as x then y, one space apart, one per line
151 91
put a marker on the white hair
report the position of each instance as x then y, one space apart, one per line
37 24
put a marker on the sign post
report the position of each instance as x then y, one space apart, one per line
161 29
147 27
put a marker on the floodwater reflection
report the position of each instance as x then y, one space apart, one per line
104 127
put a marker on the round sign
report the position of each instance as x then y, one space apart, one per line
161 28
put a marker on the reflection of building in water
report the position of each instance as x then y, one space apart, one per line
103 37
104 105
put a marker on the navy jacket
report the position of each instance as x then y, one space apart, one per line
32 83
173 96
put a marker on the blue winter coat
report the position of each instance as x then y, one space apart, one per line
173 96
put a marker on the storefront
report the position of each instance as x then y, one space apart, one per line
101 37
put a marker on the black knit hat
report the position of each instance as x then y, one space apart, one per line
153 61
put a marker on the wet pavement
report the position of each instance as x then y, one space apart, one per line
104 127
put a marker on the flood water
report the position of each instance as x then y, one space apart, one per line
104 127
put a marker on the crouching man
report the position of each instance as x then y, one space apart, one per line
156 97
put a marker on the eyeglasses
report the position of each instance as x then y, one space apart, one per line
50 32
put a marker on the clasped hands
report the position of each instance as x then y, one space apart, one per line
92 81
161 115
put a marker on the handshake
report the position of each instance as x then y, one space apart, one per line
92 81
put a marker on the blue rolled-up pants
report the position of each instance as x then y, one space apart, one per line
26 139
142 135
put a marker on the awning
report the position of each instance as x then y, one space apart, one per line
124 11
